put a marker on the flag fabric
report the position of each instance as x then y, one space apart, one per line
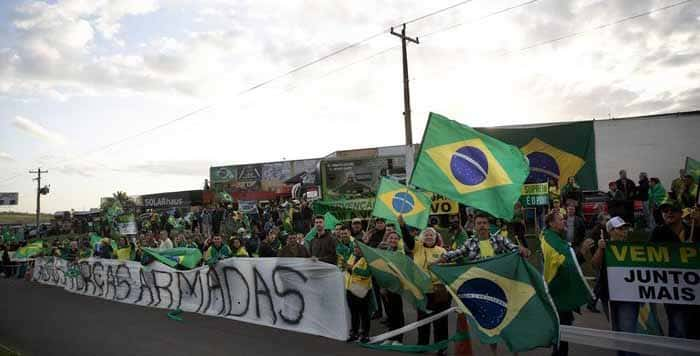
30 250
329 222
562 273
394 199
692 167
470 167
506 300
398 273
647 322
173 257
554 151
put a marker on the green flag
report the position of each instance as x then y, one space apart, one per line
647 322
470 167
506 300
398 273
329 222
562 273
692 167
182 256
30 250
394 199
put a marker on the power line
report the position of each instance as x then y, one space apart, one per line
437 12
492 14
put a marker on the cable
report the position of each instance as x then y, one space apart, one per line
437 11
498 12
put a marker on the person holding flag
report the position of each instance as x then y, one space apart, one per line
358 282
483 245
425 253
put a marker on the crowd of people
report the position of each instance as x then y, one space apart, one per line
283 229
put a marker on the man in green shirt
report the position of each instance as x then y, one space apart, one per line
217 251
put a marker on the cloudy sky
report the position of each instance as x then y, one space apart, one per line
86 85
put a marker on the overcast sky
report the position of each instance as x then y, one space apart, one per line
79 79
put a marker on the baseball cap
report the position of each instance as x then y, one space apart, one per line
240 230
356 220
614 223
674 205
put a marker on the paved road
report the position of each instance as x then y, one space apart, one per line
42 320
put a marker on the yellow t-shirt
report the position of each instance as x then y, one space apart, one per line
424 256
486 248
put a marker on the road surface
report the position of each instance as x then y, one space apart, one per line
44 320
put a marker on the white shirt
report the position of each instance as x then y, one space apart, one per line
167 243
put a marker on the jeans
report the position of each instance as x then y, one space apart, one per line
624 318
680 319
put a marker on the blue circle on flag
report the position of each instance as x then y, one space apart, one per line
402 202
469 165
542 168
486 301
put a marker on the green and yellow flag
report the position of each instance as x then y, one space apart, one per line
394 199
180 256
30 250
470 167
692 167
506 300
562 273
647 322
398 273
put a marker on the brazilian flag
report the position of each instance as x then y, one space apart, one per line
398 273
554 151
394 199
181 256
506 300
647 321
562 273
30 250
469 167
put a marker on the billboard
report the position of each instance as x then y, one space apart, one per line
9 198
263 181
182 199
358 178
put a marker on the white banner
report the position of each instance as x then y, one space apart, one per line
654 285
288 293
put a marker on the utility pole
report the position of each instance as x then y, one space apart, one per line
406 96
39 190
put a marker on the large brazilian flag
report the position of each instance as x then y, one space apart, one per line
467 166
394 199
506 300
562 273
556 151
398 273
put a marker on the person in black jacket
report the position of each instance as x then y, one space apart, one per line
374 236
683 320
270 245
629 192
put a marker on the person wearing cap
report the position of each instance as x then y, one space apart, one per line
356 229
683 320
623 315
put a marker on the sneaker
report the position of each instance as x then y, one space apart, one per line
352 338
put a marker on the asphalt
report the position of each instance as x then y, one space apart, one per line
42 320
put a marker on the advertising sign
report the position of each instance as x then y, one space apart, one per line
358 178
264 181
442 206
9 198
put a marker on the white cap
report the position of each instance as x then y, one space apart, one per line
614 223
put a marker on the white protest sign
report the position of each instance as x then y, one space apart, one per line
288 293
